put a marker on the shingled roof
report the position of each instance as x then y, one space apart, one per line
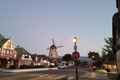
2 42
21 50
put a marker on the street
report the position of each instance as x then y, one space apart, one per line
84 74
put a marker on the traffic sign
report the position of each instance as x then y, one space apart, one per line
76 56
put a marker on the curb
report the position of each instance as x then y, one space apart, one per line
26 70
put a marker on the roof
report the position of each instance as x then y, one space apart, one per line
2 42
53 47
38 56
21 51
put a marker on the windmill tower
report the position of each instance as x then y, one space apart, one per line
53 53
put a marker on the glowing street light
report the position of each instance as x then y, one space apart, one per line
75 41
93 57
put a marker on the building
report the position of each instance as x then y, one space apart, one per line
53 53
40 60
7 53
11 56
24 58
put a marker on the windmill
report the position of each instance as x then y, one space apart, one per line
53 53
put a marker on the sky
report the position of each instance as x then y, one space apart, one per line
33 23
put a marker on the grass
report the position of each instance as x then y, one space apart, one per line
101 71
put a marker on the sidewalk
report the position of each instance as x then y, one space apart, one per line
94 76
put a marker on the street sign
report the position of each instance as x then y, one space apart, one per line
76 56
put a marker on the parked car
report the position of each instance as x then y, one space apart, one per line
62 65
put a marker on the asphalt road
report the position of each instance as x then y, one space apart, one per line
84 74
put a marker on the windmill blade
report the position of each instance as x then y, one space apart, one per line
53 41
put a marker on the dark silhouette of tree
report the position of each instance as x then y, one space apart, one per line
1 37
93 55
67 57
107 52
108 46
96 58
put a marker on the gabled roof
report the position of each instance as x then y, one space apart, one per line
21 51
2 42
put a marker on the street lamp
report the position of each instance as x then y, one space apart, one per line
75 41
76 57
93 57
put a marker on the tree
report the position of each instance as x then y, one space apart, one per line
67 57
93 55
107 49
96 57
107 52
1 37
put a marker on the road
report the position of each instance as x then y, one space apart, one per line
84 74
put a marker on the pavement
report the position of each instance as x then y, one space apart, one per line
31 76
94 76
51 74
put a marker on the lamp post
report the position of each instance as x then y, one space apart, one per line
75 41
76 57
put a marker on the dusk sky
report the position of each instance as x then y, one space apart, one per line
33 23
